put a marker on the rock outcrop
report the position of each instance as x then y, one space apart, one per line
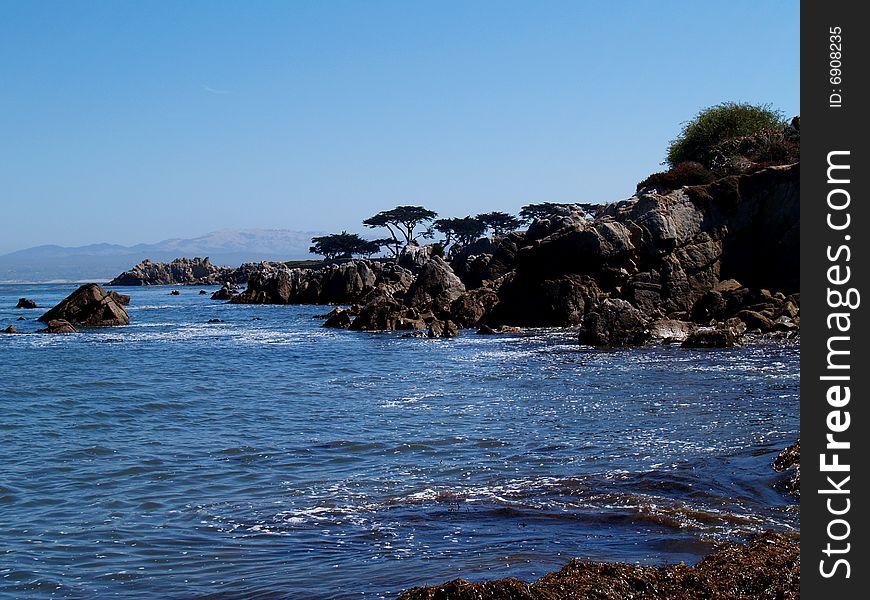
723 337
226 292
701 265
343 283
11 329
615 322
435 288
89 306
199 271
26 303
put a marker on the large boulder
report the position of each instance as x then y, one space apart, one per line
615 322
473 307
442 329
435 288
386 314
487 259
721 337
89 306
338 319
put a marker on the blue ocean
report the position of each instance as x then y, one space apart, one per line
263 456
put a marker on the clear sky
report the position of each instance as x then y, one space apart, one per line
131 122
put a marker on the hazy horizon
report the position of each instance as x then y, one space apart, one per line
149 121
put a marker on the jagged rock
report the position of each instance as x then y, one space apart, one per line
386 314
58 326
122 299
89 306
198 271
785 323
414 256
711 338
472 308
225 293
11 329
442 329
26 303
435 288
486 259
755 320
529 301
174 293
600 249
344 283
787 459
339 319
615 322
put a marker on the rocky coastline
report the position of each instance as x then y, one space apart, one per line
702 266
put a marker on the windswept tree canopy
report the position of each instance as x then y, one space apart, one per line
500 223
461 231
343 245
530 212
402 222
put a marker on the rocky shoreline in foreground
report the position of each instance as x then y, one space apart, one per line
767 567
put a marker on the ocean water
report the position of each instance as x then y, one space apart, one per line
266 457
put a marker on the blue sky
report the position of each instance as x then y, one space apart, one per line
130 122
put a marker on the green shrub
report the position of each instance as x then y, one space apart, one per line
770 147
717 124
685 173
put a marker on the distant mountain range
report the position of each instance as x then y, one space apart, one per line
101 262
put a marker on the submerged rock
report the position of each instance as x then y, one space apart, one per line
26 303
89 306
766 567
